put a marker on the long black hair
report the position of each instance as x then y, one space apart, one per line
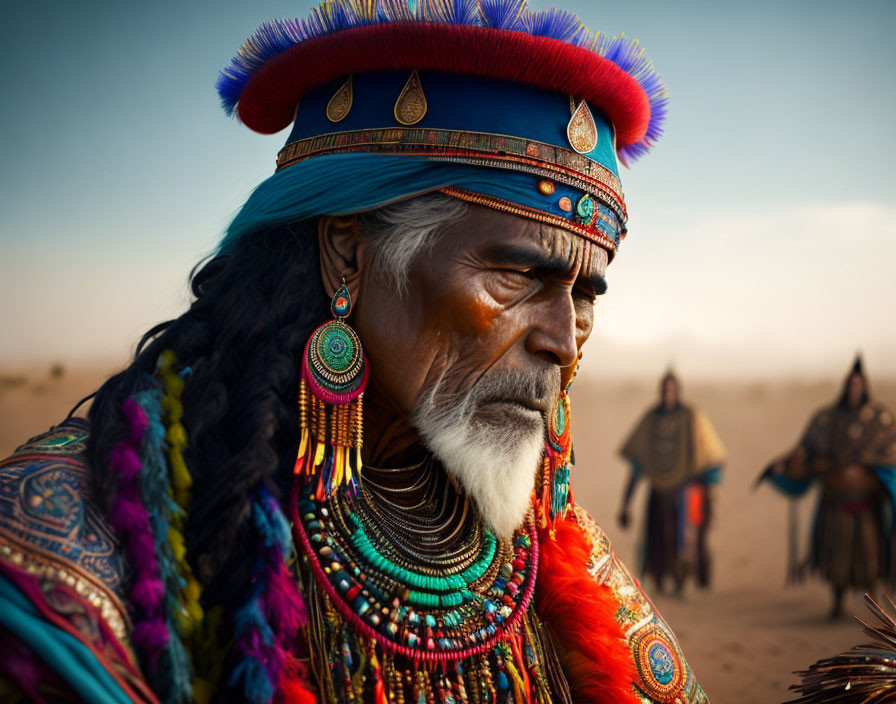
242 338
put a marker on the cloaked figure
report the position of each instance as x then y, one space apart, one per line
677 450
850 448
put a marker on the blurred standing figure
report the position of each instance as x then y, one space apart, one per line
677 450
850 447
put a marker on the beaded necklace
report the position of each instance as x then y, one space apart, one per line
441 536
386 538
443 531
393 624
389 544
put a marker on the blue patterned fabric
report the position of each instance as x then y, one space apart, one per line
61 651
44 506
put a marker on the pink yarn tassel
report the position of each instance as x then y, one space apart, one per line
130 519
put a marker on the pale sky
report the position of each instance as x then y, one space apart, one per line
762 236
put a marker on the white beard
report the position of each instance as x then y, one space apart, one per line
495 461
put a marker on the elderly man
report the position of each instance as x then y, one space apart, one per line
343 474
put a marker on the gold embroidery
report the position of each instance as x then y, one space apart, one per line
411 105
663 672
42 568
582 130
477 148
341 103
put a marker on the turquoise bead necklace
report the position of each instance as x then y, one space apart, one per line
414 605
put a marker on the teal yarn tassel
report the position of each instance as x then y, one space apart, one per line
560 491
266 626
172 677
256 683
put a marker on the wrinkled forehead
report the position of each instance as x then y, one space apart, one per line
527 242
571 250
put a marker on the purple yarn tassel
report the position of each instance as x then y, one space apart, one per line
130 519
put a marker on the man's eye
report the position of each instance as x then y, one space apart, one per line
518 273
584 295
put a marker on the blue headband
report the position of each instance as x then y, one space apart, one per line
343 184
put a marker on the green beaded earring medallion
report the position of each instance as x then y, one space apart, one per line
334 375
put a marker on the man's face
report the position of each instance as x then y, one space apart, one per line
670 393
484 340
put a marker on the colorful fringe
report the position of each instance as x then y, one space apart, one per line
148 512
190 613
595 656
176 435
130 519
266 626
171 678
180 485
151 472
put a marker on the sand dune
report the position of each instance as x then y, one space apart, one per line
745 636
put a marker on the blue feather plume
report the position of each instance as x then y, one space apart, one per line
503 14
557 24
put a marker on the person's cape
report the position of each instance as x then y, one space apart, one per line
64 625
840 436
673 447
865 436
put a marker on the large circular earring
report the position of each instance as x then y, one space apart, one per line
331 391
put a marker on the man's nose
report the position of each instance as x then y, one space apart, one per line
552 336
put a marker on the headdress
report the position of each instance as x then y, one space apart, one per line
525 112
669 375
857 369
857 366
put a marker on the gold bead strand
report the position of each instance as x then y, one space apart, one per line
472 682
357 432
320 430
340 438
305 434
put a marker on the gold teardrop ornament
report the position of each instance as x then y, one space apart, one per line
582 130
341 102
411 106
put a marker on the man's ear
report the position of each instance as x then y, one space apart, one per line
341 252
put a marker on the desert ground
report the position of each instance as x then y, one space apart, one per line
744 637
